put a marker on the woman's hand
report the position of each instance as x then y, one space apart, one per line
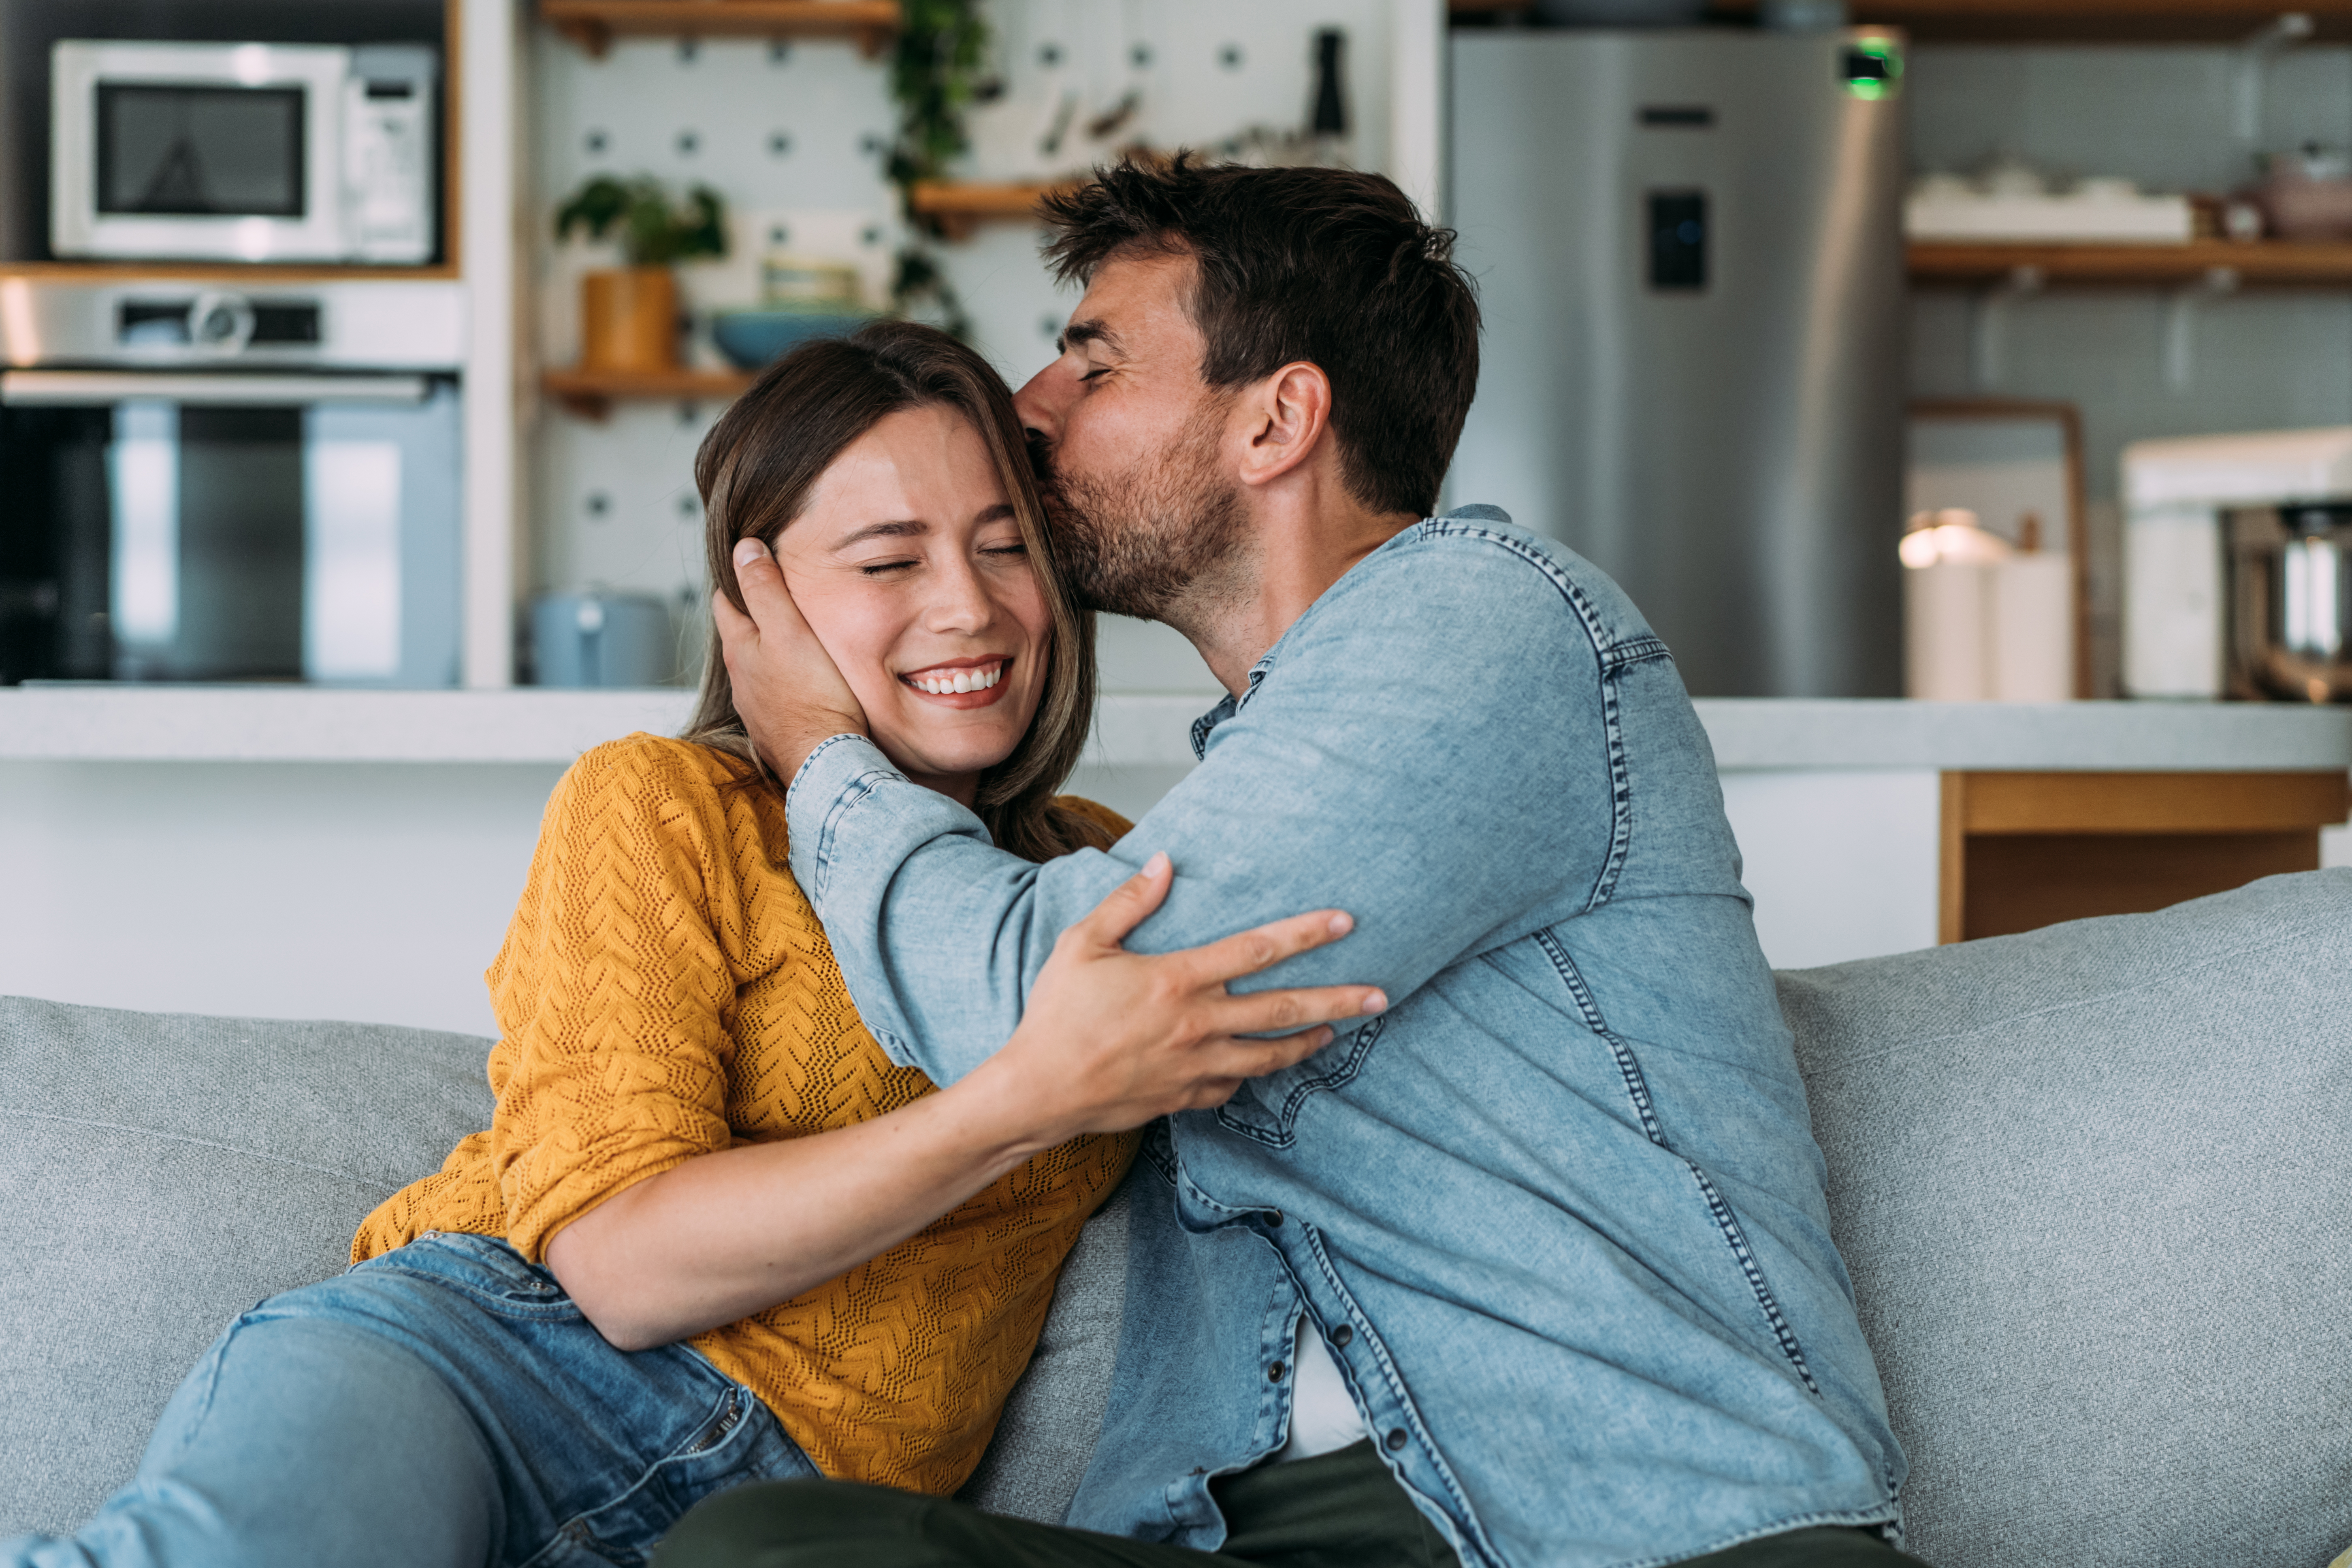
788 692
1110 1039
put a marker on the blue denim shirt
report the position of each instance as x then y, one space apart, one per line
1558 1212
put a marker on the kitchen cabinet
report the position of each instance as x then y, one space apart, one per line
2021 850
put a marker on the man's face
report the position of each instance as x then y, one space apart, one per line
1130 442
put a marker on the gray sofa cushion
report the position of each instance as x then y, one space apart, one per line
2094 1187
160 1174
1047 1432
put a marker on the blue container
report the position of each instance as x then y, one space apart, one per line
600 638
750 339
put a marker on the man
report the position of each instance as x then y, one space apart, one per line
1536 1267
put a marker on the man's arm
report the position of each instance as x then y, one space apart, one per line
1428 753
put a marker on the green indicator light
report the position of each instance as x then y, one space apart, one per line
1873 68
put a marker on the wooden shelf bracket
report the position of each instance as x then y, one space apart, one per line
2180 310
1988 322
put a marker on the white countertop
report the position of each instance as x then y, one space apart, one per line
250 724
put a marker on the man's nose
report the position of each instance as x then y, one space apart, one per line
1040 403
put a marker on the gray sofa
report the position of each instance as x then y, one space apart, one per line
2095 1185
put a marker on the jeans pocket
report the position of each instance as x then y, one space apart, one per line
739 1441
485 1267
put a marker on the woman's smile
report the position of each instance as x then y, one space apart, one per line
962 682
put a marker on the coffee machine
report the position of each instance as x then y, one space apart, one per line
2238 566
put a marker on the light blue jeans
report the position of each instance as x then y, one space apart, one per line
445 1404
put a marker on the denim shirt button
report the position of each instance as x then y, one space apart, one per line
1341 1335
1273 1217
1396 1437
1273 1373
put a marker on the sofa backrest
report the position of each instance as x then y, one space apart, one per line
2093 1184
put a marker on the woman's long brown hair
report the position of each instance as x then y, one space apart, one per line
755 471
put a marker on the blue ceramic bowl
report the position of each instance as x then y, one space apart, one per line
750 339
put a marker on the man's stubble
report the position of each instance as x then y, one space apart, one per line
1162 539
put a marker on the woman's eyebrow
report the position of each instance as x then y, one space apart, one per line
989 514
899 528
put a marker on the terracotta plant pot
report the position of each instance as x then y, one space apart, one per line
628 319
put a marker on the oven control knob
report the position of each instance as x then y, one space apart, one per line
223 322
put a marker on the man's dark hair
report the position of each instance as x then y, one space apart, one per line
1328 265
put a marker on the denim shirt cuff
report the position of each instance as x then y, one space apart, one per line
840 772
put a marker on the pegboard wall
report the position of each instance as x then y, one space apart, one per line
793 135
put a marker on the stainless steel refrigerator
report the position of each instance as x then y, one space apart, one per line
1689 251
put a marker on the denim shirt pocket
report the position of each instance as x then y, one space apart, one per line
1266 1108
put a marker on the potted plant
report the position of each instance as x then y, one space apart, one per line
628 315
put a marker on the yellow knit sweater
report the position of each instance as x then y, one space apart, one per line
665 991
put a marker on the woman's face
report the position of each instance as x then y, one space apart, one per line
911 569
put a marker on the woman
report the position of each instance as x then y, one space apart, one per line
712 1234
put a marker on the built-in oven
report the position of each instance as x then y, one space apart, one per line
201 484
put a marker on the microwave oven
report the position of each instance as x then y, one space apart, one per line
243 152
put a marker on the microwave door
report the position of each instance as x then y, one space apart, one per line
204 152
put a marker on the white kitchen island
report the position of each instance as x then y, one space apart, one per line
303 852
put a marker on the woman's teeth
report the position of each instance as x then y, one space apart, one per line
979 679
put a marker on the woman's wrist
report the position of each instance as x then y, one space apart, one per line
1007 1110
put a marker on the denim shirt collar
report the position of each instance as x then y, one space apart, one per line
1229 705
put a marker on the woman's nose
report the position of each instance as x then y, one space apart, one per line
958 601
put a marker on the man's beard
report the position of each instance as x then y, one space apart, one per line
1138 543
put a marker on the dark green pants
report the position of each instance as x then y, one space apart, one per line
1339 1510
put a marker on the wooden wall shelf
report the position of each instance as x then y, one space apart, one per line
2045 21
590 393
960 207
235 272
2271 262
2022 851
595 24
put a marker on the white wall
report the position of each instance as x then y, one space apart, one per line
287 889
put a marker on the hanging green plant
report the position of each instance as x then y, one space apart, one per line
934 78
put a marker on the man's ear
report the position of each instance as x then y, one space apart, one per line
1287 415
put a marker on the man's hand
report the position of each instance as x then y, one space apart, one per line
787 688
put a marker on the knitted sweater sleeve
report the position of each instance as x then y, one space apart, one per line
614 992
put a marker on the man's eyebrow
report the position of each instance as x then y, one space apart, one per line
1090 331
898 528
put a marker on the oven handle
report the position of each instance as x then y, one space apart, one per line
37 387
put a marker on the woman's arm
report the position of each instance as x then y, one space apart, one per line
1111 1039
